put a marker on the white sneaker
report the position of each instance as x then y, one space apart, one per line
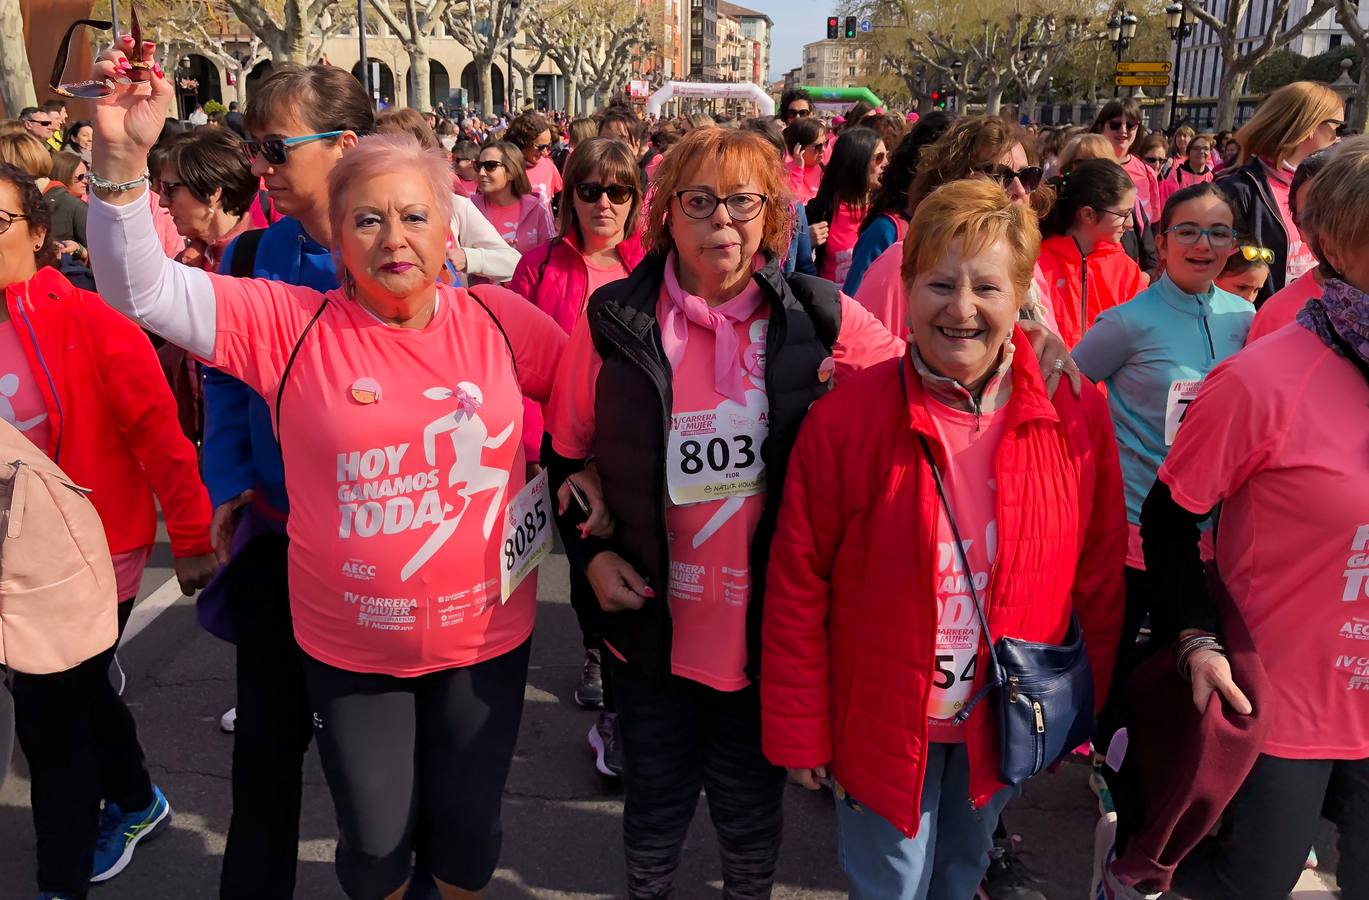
228 722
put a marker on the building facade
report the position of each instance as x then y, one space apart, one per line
834 63
703 40
754 41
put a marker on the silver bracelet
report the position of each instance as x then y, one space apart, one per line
95 182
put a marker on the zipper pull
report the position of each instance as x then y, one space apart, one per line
1012 689
1040 717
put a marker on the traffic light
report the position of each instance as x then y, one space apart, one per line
832 26
939 97
850 27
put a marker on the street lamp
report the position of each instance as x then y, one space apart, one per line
1121 29
513 34
1181 21
956 66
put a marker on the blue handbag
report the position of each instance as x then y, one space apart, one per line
1043 693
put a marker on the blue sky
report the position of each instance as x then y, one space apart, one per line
797 22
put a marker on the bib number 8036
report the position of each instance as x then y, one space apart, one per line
717 454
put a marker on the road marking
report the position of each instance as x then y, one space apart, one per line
158 602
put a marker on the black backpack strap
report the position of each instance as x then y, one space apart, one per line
290 362
475 295
244 261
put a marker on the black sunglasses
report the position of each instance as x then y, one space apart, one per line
591 191
489 165
1029 176
81 90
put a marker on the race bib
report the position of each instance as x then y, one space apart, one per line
1181 394
954 671
715 454
527 534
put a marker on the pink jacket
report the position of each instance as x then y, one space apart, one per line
1179 177
554 277
535 227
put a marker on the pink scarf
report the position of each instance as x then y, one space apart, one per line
684 308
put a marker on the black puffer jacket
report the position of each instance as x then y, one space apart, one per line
1259 220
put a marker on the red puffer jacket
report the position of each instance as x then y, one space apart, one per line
114 424
850 614
1079 288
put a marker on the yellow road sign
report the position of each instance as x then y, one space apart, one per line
1141 80
1139 67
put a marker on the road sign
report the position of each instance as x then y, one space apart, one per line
1138 67
1141 80
866 25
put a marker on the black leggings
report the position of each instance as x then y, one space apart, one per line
418 764
82 747
1271 822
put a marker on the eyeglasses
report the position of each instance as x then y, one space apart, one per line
591 191
879 157
7 219
83 177
1337 124
41 123
489 165
1126 216
800 111
1218 238
94 90
167 188
275 149
1200 148
1156 161
542 148
1029 177
1122 125
1253 253
740 207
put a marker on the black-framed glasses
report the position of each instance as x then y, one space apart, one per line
276 150
83 177
1126 216
81 90
1028 176
7 219
1123 125
1219 237
591 191
800 111
742 207
167 188
1252 253
489 165
542 148
1154 161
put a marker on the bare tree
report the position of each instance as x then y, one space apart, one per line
1347 13
287 27
414 30
16 79
1237 62
1041 52
616 33
555 29
537 56
486 28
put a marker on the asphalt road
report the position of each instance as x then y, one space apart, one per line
561 818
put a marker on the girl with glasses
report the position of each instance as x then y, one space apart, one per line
848 182
1120 122
1085 267
506 199
1292 123
1194 168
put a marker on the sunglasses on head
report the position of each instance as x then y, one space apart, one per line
489 165
1030 176
1122 125
591 191
276 150
93 90
1253 253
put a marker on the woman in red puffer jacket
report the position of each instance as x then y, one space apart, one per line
870 643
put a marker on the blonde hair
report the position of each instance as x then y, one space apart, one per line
26 153
979 213
735 157
1335 203
1285 119
1083 148
382 154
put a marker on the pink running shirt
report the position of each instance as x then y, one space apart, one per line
546 179
1284 306
841 243
710 540
402 450
1278 430
1300 258
21 402
505 220
598 276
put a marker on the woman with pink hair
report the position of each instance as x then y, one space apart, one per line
398 401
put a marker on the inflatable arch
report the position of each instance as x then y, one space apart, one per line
835 95
728 90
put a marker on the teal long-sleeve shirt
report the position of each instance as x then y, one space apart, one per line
1140 348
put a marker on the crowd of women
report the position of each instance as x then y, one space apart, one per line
965 565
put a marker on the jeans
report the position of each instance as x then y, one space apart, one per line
1271 822
82 747
948 856
273 728
678 737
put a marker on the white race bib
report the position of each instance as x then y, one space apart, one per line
1181 394
715 454
527 534
954 671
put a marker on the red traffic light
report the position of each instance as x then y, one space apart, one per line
832 27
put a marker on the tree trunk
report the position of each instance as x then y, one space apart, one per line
483 89
240 88
1027 105
1228 94
572 87
527 86
420 87
1357 118
16 79
993 99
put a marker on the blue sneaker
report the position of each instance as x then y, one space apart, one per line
120 832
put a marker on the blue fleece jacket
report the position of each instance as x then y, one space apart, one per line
240 447
873 241
1138 349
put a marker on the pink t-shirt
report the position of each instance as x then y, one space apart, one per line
1277 431
21 402
1147 187
128 572
1300 258
1284 306
505 220
841 242
710 540
970 446
598 276
462 187
402 451
803 180
546 179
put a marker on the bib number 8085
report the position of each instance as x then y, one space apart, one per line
717 454
524 534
